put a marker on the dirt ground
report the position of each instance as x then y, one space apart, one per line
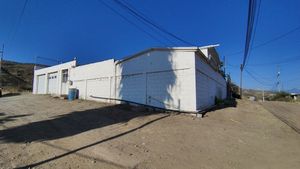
289 113
44 132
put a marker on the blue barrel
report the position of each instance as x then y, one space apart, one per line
72 94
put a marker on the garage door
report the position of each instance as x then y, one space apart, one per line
132 88
99 88
160 87
41 84
52 83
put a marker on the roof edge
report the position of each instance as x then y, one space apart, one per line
191 48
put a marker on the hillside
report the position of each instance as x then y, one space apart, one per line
17 75
257 93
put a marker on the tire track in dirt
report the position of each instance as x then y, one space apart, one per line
277 111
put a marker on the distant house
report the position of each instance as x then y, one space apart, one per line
295 95
178 78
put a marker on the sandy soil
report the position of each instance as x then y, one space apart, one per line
43 132
288 113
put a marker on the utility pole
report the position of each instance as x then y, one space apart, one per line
263 95
278 79
241 82
224 64
1 59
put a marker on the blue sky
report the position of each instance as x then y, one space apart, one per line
88 30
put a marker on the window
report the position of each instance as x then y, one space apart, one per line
64 75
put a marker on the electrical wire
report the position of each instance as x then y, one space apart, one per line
264 78
268 41
250 23
131 22
12 37
254 32
161 34
256 79
138 14
287 60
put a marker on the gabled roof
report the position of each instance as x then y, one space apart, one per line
191 49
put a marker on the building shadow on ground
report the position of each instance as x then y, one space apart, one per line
223 105
10 94
71 124
76 123
11 118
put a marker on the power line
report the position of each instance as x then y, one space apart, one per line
262 77
18 22
49 59
161 34
138 14
269 41
255 27
280 62
287 60
256 79
250 23
130 22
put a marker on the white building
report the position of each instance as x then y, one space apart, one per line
180 78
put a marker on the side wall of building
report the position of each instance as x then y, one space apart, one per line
96 79
209 84
171 79
160 78
42 78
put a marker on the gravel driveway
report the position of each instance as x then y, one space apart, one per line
45 132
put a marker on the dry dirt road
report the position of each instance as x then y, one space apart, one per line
43 132
288 113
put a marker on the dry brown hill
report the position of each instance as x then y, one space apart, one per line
17 75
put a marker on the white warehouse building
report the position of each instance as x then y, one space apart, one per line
179 78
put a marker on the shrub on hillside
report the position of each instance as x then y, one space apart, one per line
281 96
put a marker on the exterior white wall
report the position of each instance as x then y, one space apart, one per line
93 79
49 70
209 84
172 79
160 78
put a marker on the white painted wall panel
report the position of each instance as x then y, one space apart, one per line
93 71
48 70
80 85
156 61
173 79
165 76
41 84
98 87
132 88
52 83
171 90
64 88
209 84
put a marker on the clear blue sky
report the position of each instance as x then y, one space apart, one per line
86 29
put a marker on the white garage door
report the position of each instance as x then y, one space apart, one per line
160 87
99 88
132 88
41 84
52 83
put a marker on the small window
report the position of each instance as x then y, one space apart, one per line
64 75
